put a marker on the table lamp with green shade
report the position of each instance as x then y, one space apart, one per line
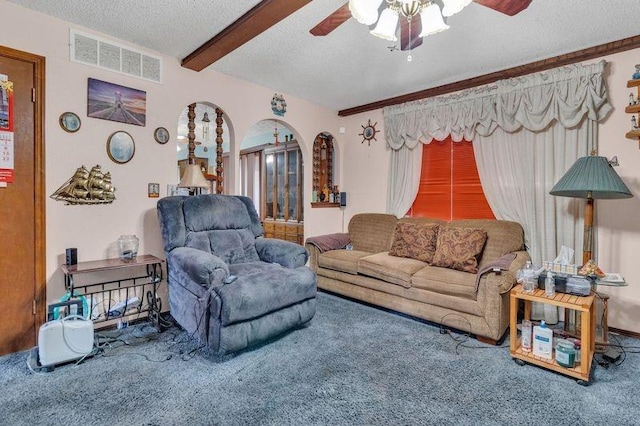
591 177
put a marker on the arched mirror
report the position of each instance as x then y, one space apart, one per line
271 174
207 147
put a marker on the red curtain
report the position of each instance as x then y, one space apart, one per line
449 183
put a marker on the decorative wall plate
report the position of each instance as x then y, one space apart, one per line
120 147
161 135
70 122
278 105
369 132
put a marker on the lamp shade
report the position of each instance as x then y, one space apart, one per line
432 22
365 11
591 177
451 7
193 178
387 25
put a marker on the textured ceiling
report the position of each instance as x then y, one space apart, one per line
349 67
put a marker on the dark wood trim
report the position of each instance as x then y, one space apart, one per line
487 340
324 204
333 21
261 17
543 65
508 7
39 65
624 333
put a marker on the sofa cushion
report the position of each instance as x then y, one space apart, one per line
396 270
262 288
503 237
415 240
372 232
445 281
230 245
342 260
459 248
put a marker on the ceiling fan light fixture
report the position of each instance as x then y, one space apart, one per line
410 8
387 25
365 11
432 22
451 7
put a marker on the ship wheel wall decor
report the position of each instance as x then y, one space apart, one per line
369 132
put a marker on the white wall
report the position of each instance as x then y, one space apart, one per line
95 229
619 220
362 169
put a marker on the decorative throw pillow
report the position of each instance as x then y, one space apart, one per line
415 240
460 248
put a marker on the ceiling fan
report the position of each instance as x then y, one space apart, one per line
411 28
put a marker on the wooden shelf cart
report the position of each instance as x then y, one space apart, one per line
585 307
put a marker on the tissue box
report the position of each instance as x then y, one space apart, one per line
558 267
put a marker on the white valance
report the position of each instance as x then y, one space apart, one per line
534 101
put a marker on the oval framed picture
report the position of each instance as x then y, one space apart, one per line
70 122
120 147
161 135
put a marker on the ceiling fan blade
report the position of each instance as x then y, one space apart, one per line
416 28
332 21
508 7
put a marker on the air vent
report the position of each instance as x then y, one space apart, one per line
91 50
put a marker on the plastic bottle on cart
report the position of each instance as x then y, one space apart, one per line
528 278
526 335
550 285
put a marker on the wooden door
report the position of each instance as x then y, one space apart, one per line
22 247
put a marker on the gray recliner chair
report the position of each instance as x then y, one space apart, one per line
208 238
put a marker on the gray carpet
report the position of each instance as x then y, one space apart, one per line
352 365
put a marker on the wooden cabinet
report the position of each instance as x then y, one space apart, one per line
634 109
280 200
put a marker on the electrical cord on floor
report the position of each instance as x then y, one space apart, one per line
191 337
466 337
602 360
33 355
107 344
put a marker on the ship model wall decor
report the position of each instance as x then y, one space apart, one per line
87 187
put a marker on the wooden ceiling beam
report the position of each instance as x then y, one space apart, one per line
508 7
538 66
260 18
332 21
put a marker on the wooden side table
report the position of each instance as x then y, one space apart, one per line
584 305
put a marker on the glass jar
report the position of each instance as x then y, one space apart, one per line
128 247
566 354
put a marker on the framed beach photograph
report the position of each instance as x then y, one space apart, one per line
120 147
113 102
70 122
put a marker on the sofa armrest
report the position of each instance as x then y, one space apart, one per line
285 253
506 278
314 254
518 263
330 241
197 269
